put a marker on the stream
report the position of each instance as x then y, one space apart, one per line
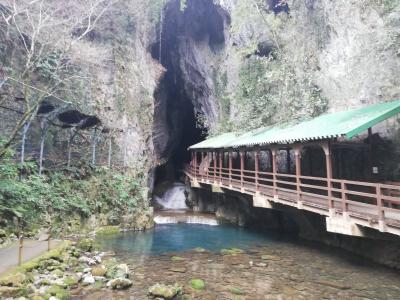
270 267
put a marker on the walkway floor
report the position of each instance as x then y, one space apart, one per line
32 249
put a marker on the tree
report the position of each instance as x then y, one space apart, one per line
41 51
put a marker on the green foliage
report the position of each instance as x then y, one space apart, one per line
58 195
270 91
220 81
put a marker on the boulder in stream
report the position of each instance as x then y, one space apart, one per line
165 291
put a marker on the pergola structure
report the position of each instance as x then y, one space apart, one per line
252 163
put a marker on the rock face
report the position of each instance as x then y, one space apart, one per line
252 65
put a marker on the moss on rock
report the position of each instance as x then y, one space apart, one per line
231 251
197 284
86 244
58 292
108 230
13 280
165 291
177 258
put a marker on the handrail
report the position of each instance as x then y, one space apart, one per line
374 199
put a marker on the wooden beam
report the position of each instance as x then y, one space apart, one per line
241 169
256 168
221 157
328 158
297 154
274 170
230 168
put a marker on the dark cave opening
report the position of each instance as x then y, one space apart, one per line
278 6
175 116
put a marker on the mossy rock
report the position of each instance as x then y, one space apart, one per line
236 291
199 250
14 280
61 267
177 258
73 261
13 292
231 251
98 285
58 273
197 284
120 283
74 252
58 292
270 257
3 233
86 245
99 271
108 230
165 291
70 281
45 282
37 297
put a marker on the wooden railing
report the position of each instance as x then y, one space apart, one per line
371 202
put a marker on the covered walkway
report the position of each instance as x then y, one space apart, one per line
270 164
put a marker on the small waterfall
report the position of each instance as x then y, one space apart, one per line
174 198
190 218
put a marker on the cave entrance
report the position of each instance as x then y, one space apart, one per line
182 89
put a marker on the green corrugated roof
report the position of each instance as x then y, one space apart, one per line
219 141
346 123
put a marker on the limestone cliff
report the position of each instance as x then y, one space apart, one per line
163 73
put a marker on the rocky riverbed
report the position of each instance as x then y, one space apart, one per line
268 270
262 272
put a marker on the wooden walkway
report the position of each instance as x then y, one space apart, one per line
372 205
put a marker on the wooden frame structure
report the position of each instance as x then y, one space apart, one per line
347 204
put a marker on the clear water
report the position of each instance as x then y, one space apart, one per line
182 237
292 270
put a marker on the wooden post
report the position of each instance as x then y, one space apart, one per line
256 168
49 240
94 141
207 164
298 174
71 136
215 166
230 167
381 213
241 153
109 151
221 157
288 160
344 197
21 242
195 164
274 171
23 139
328 157
202 164
42 139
